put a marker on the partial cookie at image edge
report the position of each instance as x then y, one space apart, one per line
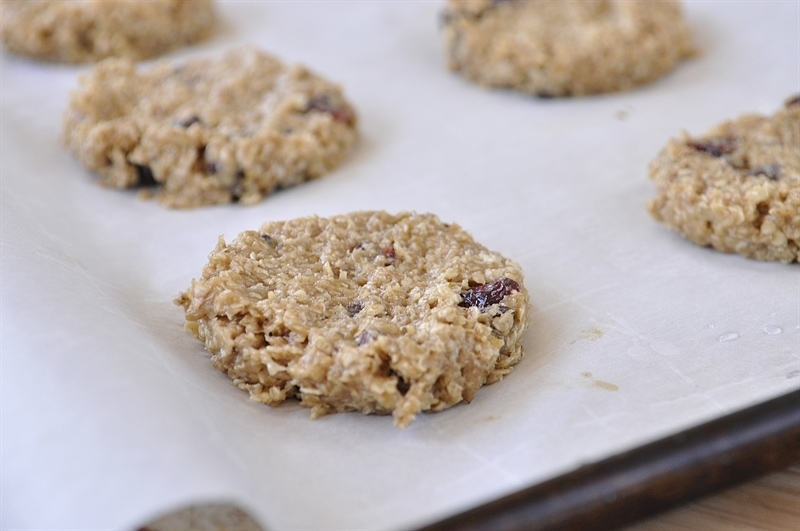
560 49
89 31
737 187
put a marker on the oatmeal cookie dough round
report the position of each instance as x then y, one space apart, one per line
90 30
564 48
736 188
212 130
365 311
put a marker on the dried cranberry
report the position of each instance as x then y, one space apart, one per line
324 104
484 295
770 171
388 252
716 147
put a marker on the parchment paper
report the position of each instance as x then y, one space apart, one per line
112 414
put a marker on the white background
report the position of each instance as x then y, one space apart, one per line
111 413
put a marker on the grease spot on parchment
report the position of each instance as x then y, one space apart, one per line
591 334
608 386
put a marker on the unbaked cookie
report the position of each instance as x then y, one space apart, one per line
564 48
209 131
736 188
366 312
90 30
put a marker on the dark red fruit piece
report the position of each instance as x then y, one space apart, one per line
388 252
484 295
716 147
324 104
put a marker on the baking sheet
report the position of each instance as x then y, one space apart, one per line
111 413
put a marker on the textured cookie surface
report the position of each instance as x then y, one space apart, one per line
736 188
366 311
89 30
564 48
209 131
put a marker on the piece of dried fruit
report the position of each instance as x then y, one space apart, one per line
237 190
793 101
354 307
211 167
323 103
388 252
484 295
770 171
186 122
716 147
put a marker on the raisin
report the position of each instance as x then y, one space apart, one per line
484 295
324 104
145 177
770 171
211 167
716 147
237 190
354 307
186 122
793 101
366 336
